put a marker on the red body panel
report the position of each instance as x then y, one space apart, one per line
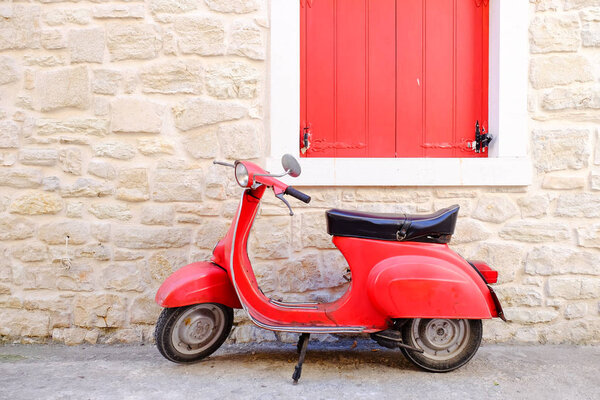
200 282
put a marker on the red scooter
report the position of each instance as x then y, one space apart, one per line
408 289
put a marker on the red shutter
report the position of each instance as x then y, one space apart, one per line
393 78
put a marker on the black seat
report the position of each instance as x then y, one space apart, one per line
432 228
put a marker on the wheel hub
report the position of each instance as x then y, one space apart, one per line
440 338
198 328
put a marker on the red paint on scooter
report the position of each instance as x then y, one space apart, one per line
390 279
200 282
488 273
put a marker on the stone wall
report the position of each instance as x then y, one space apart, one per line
110 117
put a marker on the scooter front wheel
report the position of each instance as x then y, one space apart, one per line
191 333
447 344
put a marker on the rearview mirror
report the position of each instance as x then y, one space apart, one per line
291 165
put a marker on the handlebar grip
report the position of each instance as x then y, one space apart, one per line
297 194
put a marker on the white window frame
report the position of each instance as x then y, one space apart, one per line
508 163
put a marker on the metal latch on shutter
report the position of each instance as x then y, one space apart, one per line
306 136
482 139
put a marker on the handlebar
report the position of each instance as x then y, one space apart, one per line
297 194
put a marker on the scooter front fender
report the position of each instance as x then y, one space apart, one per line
415 286
199 282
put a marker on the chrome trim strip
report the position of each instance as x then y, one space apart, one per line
299 329
302 306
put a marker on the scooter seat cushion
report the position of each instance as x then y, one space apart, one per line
432 228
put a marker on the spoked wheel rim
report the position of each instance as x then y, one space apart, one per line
198 328
441 339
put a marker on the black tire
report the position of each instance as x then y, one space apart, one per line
447 343
206 328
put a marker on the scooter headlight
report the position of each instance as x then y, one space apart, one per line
241 174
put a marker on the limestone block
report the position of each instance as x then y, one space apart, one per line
29 156
132 185
96 251
19 27
575 310
75 126
101 232
30 252
133 42
56 232
550 71
110 211
198 112
173 185
117 150
210 231
85 187
154 146
572 98
578 205
99 310
62 87
516 296
58 16
70 160
36 203
7 159
555 33
106 81
157 214
232 6
271 238
561 149
133 237
249 333
496 209
20 178
162 264
247 40
102 169
86 45
24 323
74 209
577 4
123 277
204 36
589 236
10 133
563 182
53 39
16 228
314 231
573 288
469 230
534 231
136 115
555 260
172 77
43 60
8 70
240 141
69 336
119 11
172 6
144 311
595 180
127 255
530 315
232 79
202 144
202 209
547 5
590 32
535 206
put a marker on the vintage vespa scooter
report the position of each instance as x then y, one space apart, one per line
408 289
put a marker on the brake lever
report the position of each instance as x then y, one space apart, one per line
280 197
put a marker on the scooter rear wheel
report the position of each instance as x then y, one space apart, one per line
191 333
447 344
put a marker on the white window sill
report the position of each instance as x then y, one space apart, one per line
504 171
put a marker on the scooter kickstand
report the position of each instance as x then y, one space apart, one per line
302 345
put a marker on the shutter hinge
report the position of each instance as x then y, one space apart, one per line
482 139
306 136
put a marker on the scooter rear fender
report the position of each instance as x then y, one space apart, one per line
419 286
199 282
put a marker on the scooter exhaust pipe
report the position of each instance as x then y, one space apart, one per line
391 339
